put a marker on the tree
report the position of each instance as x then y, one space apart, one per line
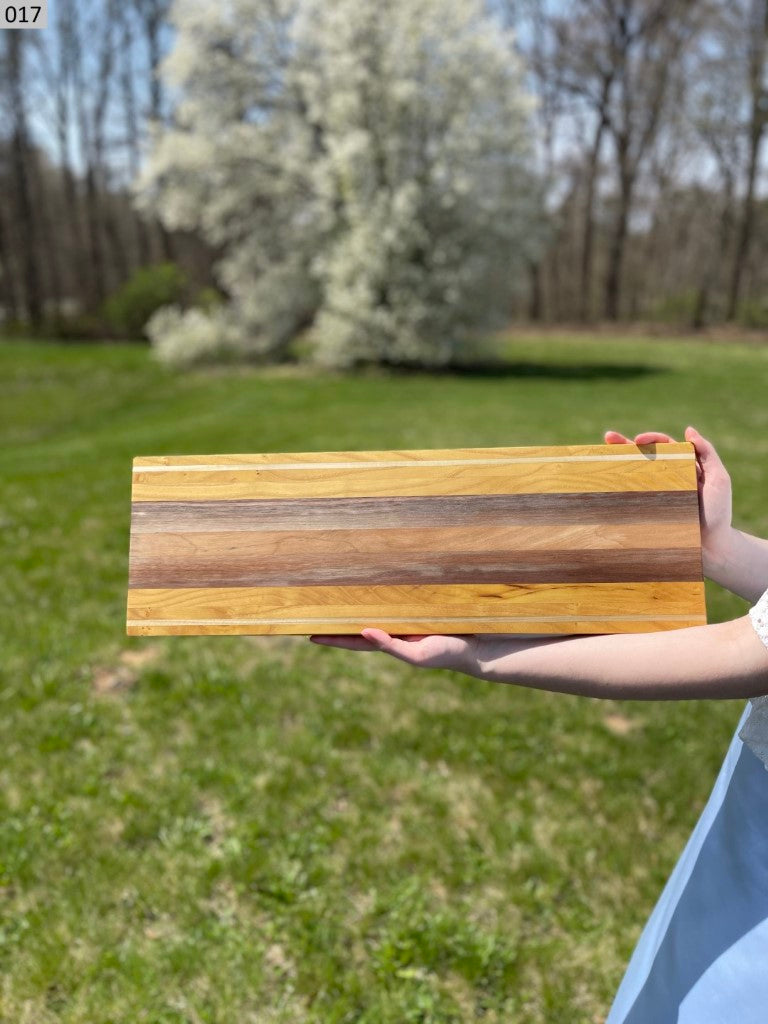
756 47
362 167
20 166
583 69
153 17
716 105
644 43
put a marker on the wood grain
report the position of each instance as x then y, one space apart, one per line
681 451
548 540
401 513
369 481
461 608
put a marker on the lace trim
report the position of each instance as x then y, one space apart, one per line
754 732
759 617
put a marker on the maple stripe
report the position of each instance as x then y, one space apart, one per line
508 619
370 480
491 608
541 626
416 601
174 546
419 455
212 467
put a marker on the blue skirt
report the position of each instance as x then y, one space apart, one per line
703 955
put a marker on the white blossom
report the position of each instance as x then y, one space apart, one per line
361 166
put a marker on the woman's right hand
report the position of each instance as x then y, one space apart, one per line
714 484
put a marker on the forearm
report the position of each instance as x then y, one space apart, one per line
718 661
738 562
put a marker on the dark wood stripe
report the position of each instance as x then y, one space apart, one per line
400 513
596 566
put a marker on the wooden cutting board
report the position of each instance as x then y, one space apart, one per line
576 539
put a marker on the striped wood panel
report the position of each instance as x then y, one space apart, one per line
577 539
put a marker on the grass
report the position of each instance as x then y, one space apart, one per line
258 830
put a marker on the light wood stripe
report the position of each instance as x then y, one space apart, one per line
212 467
241 545
418 602
519 620
415 480
300 627
441 456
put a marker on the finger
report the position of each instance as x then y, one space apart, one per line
653 437
704 449
614 437
405 650
347 643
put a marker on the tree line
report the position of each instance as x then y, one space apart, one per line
77 101
646 151
652 116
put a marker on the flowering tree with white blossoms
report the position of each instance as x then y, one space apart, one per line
362 166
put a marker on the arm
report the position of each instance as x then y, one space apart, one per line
724 660
738 562
719 661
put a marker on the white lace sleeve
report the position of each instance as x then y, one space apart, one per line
754 732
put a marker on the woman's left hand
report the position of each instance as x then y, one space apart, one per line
453 652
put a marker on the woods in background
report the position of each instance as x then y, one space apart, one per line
652 117
647 145
77 101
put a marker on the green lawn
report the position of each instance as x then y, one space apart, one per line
259 830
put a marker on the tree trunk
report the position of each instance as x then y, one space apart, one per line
31 283
116 245
72 200
759 98
588 230
166 241
77 276
95 247
142 240
744 236
8 300
133 137
49 248
613 278
701 307
535 302
154 13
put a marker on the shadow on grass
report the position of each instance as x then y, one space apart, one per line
552 371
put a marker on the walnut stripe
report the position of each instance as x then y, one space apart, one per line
382 567
493 510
